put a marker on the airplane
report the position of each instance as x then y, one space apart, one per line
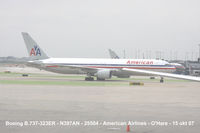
112 54
100 68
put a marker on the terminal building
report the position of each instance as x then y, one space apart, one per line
192 67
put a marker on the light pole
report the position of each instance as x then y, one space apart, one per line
199 54
199 51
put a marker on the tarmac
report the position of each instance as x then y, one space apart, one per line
172 106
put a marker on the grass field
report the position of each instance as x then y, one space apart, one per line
70 83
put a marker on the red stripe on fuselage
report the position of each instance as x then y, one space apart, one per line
51 66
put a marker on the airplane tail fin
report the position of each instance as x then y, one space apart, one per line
34 51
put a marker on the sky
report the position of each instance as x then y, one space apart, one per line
168 29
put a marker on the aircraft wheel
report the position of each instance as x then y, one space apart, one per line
161 80
89 79
100 79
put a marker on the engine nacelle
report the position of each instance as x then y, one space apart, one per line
104 74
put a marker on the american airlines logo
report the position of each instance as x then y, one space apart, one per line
35 51
140 62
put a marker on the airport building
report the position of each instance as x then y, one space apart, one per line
192 68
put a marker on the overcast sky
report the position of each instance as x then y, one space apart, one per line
87 28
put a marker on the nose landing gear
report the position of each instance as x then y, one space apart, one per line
161 79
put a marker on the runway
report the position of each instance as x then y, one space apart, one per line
175 103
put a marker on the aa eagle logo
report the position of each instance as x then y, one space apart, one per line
35 51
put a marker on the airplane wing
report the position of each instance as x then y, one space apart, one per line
85 69
162 74
74 67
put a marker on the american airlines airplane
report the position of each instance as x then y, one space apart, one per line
100 68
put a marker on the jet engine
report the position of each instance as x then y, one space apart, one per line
103 74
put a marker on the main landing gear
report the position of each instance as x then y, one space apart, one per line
89 79
92 79
99 79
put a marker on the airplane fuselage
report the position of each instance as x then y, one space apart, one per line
57 65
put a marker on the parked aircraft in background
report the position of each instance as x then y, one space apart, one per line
112 54
100 68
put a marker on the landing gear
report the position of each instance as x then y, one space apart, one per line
89 79
100 79
161 79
